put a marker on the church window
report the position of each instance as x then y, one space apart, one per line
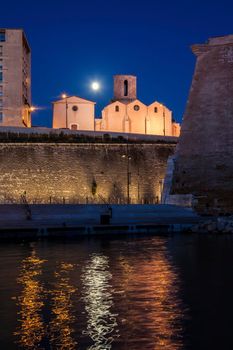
75 108
117 109
156 109
136 107
126 88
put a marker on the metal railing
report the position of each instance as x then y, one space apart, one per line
28 200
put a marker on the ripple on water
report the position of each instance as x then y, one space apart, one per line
123 296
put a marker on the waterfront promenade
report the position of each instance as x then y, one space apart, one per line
52 220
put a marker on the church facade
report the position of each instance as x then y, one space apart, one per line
125 114
74 113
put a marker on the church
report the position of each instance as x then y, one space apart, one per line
125 114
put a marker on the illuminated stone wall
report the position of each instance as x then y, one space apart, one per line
81 172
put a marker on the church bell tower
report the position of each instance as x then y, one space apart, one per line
125 88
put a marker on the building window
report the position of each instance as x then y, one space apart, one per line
156 109
1 117
126 88
1 77
136 107
75 108
1 50
1 103
117 109
2 36
1 90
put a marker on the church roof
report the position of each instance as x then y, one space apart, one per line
124 102
74 99
159 104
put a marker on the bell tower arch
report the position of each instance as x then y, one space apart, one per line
125 88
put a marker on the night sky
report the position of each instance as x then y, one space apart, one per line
76 42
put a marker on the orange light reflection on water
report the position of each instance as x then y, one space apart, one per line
32 331
131 301
60 327
156 304
31 328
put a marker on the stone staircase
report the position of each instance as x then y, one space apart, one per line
184 200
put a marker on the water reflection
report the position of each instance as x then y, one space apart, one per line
31 328
98 298
150 287
130 299
61 324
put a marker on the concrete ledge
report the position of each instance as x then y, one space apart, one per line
86 231
72 221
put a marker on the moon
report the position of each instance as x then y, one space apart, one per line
95 86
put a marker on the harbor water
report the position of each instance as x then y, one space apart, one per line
164 292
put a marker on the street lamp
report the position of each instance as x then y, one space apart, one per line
138 184
65 97
164 128
161 183
32 109
28 121
127 156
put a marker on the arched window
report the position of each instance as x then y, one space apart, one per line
117 109
126 88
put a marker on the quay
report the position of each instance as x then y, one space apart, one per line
38 221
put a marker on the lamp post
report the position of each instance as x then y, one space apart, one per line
29 118
64 96
138 184
161 183
128 173
164 129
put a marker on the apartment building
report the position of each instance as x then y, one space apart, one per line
15 78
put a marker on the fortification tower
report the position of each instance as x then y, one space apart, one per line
125 88
204 164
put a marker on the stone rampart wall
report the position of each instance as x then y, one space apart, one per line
77 173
